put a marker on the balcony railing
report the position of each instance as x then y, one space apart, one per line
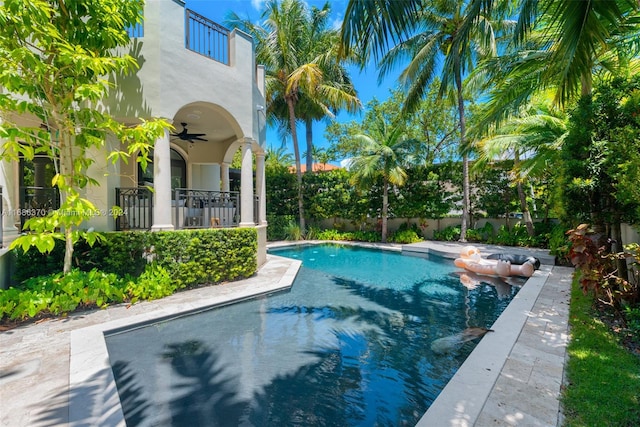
137 208
207 37
205 209
189 208
37 202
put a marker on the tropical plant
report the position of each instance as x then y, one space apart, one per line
559 45
303 77
456 33
533 138
384 154
601 163
55 59
278 159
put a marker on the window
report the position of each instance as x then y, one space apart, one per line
178 171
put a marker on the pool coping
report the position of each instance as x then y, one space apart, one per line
94 400
93 396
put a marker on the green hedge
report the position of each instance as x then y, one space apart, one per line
190 256
128 266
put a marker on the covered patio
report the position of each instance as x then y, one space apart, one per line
189 182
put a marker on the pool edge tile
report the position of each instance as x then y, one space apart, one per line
93 395
462 400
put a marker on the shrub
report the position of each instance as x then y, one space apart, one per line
474 235
57 294
208 255
330 234
293 231
558 244
154 283
516 236
406 236
596 269
448 234
278 226
355 236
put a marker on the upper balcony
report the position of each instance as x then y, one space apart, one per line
202 35
186 59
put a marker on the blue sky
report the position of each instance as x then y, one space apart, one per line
365 82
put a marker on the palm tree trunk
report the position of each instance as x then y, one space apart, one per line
465 159
526 215
385 209
309 128
296 152
523 201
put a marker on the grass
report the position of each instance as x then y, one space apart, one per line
603 377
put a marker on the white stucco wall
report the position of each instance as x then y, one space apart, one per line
171 76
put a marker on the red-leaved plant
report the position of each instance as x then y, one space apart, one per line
596 267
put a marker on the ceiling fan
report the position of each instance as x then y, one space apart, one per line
189 137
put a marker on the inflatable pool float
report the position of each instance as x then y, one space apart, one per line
471 260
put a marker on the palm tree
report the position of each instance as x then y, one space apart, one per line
535 133
338 93
456 33
289 44
559 45
384 154
578 35
278 158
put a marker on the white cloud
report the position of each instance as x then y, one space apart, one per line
257 4
336 24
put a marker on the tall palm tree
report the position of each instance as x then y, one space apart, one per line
454 33
324 44
534 137
289 44
384 153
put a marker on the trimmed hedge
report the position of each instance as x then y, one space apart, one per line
191 257
127 267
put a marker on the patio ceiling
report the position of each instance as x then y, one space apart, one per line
207 119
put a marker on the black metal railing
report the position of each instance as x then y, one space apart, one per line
37 202
137 208
205 209
207 37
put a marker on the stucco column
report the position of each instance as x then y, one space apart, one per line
261 189
246 186
162 184
224 177
8 181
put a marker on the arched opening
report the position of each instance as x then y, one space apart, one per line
178 171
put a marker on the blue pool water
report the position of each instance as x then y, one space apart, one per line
349 345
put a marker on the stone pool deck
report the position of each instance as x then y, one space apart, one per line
55 372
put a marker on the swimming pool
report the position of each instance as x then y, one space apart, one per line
348 345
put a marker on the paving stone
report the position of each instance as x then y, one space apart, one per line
35 373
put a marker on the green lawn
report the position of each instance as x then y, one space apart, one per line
603 376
